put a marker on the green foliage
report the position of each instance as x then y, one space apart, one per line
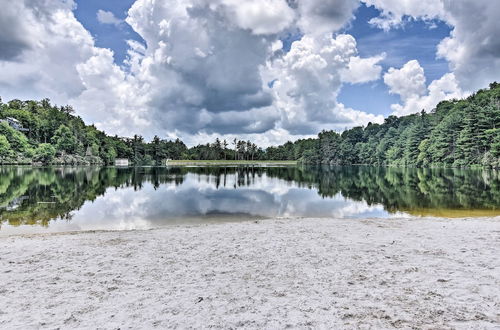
494 137
456 133
423 153
4 147
17 140
64 140
44 153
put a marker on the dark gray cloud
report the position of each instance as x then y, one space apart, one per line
10 46
204 67
208 70
13 35
253 121
320 16
194 120
473 48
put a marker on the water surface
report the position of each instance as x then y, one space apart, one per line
55 199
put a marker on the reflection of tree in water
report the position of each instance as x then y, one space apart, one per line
37 195
412 188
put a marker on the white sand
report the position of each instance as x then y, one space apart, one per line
309 273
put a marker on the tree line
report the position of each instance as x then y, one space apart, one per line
53 134
456 133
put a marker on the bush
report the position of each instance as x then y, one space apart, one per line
45 153
64 140
5 150
17 140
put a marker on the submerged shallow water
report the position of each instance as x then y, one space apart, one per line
54 199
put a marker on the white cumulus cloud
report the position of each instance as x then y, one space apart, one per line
409 83
473 47
308 80
211 68
261 17
40 56
362 70
107 17
393 12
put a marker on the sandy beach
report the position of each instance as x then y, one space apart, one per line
422 273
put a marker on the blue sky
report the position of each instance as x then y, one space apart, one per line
415 40
107 35
201 69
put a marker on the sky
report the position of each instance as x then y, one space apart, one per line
264 70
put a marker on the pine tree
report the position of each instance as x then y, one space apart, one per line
442 146
416 134
469 141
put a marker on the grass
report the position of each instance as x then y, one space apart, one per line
231 162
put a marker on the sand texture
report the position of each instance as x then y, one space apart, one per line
305 273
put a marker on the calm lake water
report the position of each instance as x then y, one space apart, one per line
56 199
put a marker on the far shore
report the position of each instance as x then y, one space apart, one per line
175 163
188 162
230 162
300 273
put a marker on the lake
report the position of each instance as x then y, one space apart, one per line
58 199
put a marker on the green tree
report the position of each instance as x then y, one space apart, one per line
17 140
64 140
443 139
224 146
157 150
5 150
416 134
45 153
423 150
494 135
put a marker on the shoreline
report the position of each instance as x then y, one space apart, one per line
410 217
230 162
169 163
252 163
348 273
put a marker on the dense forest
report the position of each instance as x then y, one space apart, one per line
456 133
32 131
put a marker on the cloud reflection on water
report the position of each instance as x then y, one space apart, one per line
63 199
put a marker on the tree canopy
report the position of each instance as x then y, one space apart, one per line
456 133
